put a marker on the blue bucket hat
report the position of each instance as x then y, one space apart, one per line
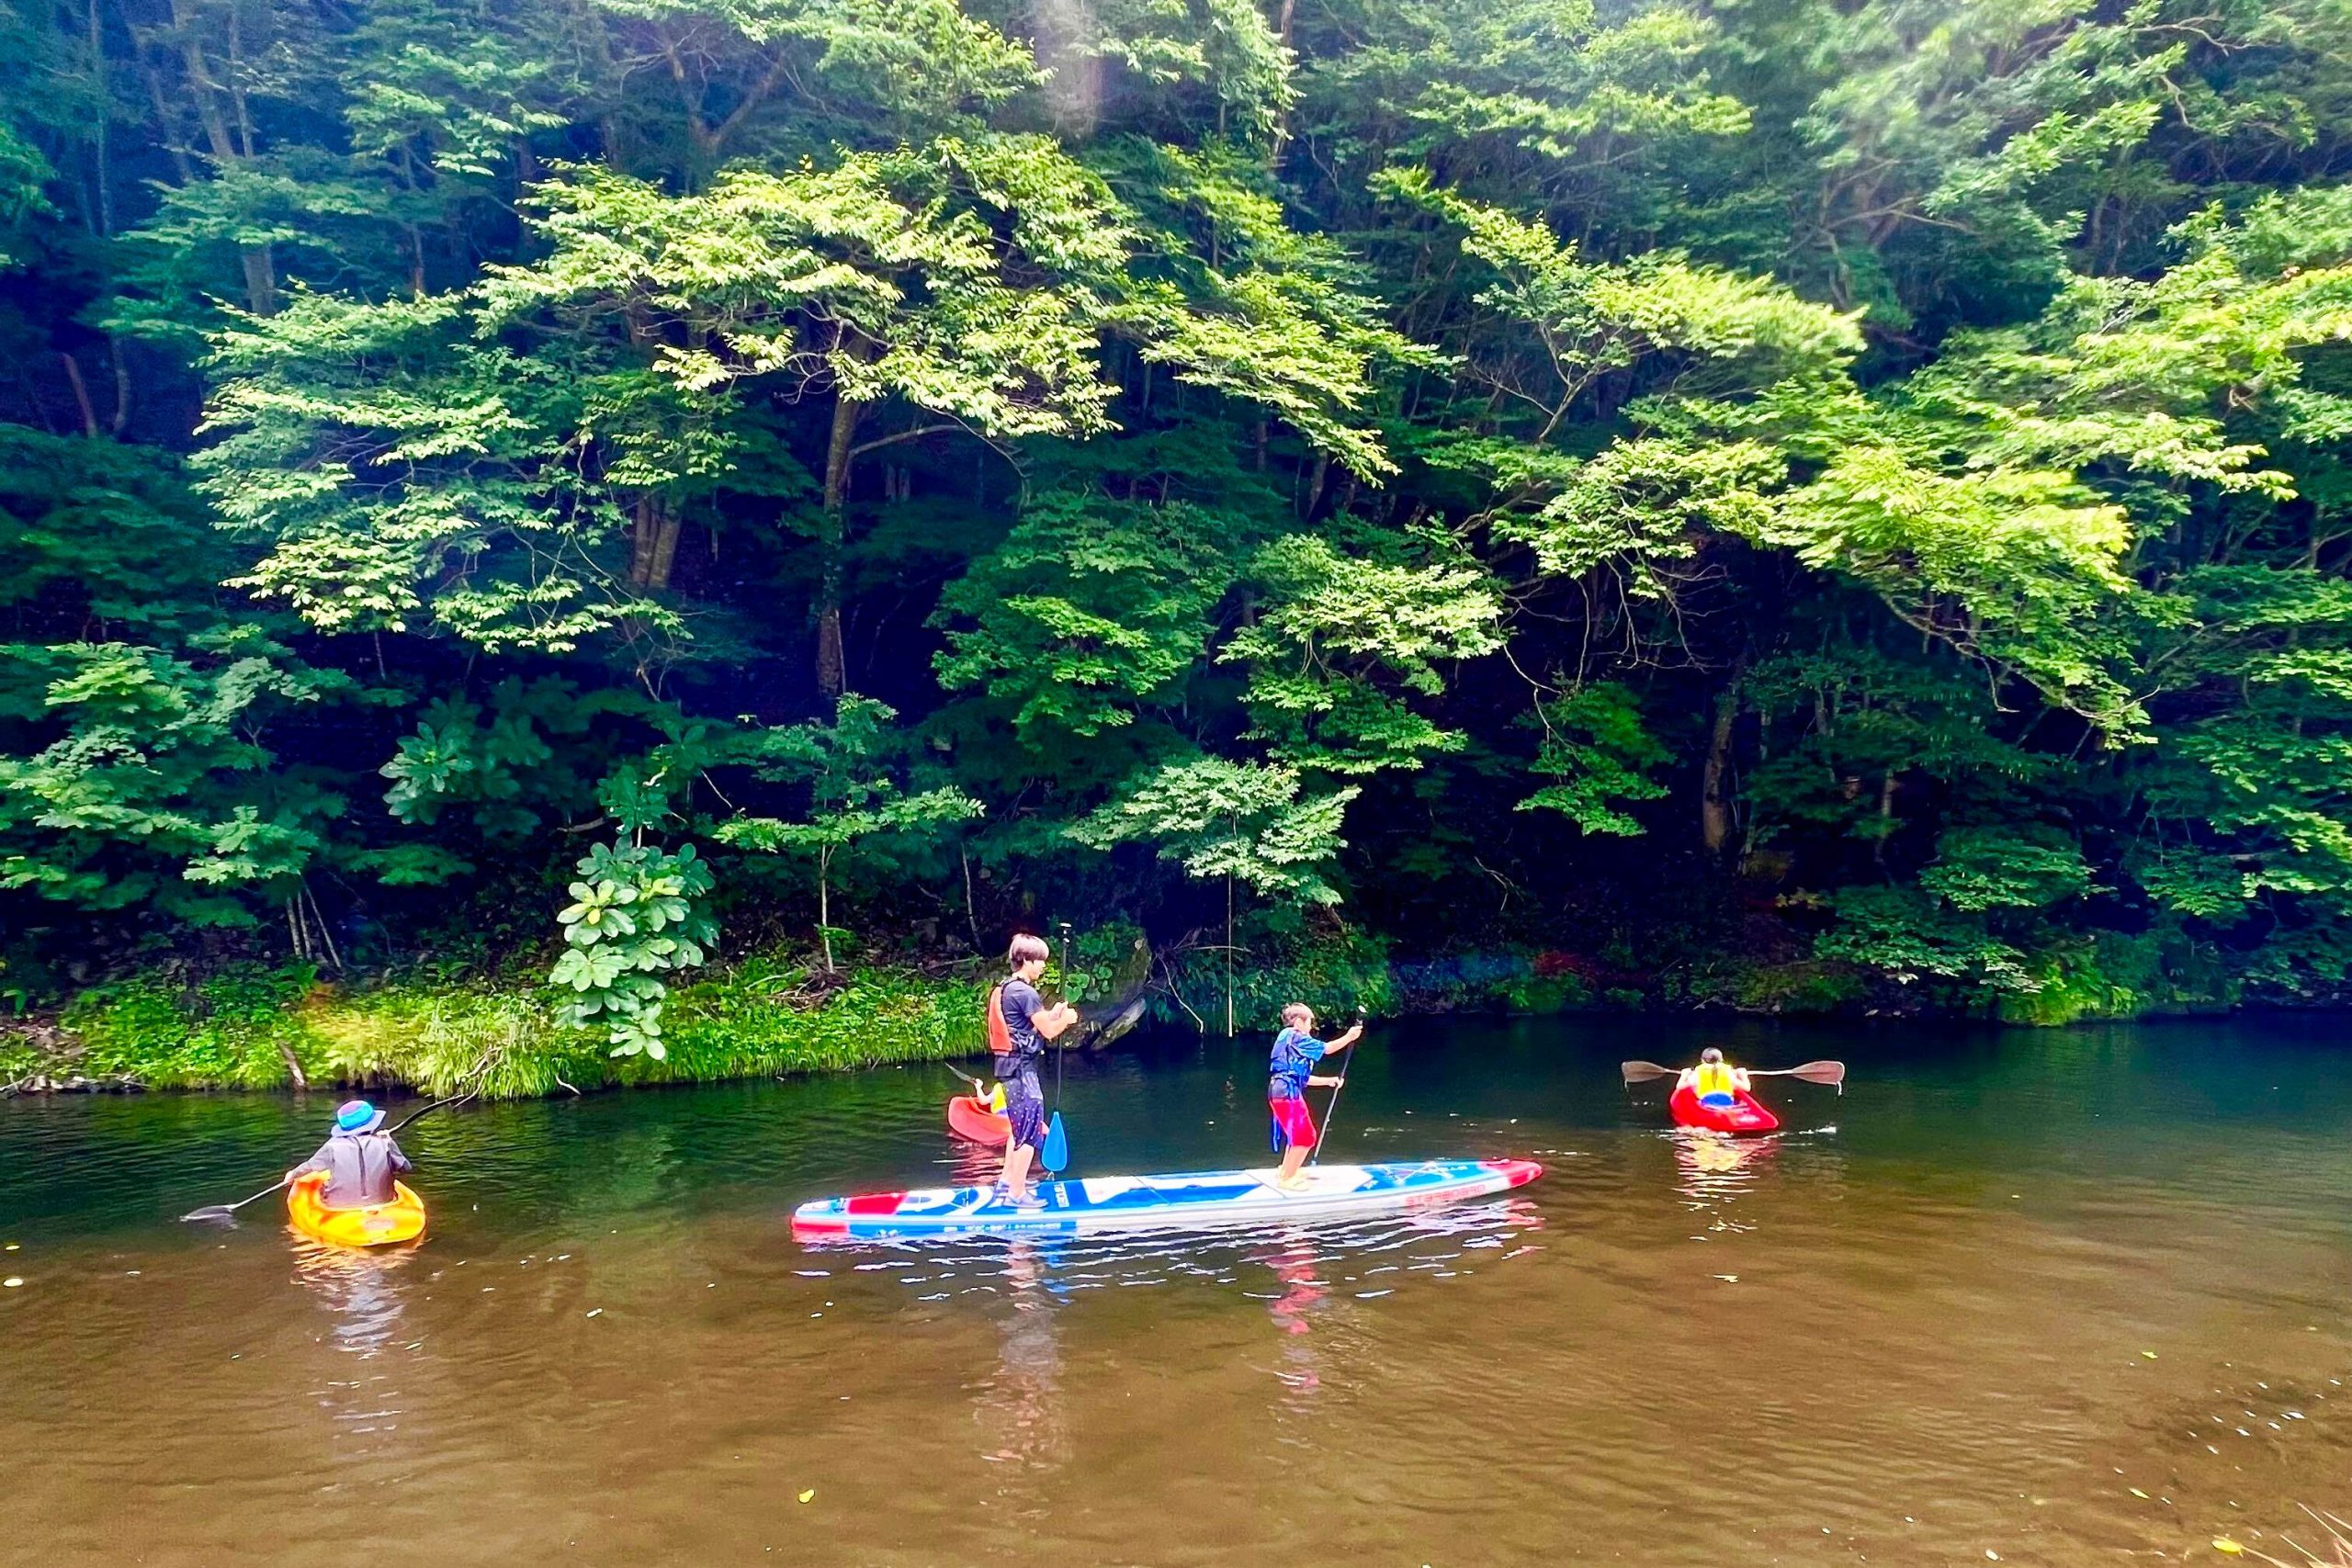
358 1116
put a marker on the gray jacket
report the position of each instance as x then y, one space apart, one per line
359 1168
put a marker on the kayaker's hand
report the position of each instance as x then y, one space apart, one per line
1324 1083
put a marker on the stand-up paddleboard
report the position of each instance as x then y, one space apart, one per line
1209 1199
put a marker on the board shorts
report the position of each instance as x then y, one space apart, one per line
1024 1103
1297 1126
1720 1100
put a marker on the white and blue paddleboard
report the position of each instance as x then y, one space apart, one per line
1208 1199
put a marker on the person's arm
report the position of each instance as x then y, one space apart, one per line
1687 1079
1739 1081
317 1162
1052 1023
399 1160
1324 1051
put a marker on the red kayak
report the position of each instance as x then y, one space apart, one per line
968 1116
1745 1118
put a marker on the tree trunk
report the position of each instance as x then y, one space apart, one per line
825 906
832 675
1228 956
653 543
1715 793
1282 121
81 394
261 271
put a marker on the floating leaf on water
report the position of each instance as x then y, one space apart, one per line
2150 1354
2137 1492
12 1282
808 1495
2224 1543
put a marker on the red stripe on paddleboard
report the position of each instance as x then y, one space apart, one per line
874 1204
1520 1171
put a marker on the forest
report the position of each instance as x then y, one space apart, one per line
1784 505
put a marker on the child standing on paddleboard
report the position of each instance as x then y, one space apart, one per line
1291 1073
1019 1024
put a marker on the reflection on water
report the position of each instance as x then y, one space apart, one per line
1018 1409
1717 1170
364 1296
1296 1265
2056 1298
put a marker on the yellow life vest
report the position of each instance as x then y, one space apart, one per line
1714 1078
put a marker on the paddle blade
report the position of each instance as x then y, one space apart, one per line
1055 1155
1831 1073
1642 1072
212 1212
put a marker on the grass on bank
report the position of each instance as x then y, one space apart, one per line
256 1028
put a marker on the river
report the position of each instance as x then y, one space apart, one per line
2054 1297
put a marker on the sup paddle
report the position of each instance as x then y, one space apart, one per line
227 1210
1331 1111
1830 1073
1055 1155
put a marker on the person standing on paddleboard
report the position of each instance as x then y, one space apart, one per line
1021 1025
1291 1073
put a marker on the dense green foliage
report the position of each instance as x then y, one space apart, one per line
1808 503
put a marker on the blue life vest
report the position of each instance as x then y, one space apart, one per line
1292 1064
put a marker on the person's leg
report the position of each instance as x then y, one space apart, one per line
1024 1108
1293 1160
1298 1138
1017 1160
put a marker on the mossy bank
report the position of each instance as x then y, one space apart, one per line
498 1032
255 1027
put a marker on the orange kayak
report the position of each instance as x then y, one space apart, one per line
379 1224
968 1116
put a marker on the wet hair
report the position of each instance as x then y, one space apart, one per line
1711 1054
1299 1015
1024 948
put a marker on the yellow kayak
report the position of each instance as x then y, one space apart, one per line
379 1224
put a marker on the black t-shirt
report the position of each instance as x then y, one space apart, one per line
1020 1003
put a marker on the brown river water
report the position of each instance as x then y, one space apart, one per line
2071 1297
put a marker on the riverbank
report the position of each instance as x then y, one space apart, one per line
249 1027
259 1027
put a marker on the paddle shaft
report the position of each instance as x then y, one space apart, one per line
221 1211
1061 1050
1331 1112
1812 1072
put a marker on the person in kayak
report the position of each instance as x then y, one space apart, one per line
1021 1025
359 1161
1289 1074
1716 1081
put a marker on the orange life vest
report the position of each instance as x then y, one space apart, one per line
999 1032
